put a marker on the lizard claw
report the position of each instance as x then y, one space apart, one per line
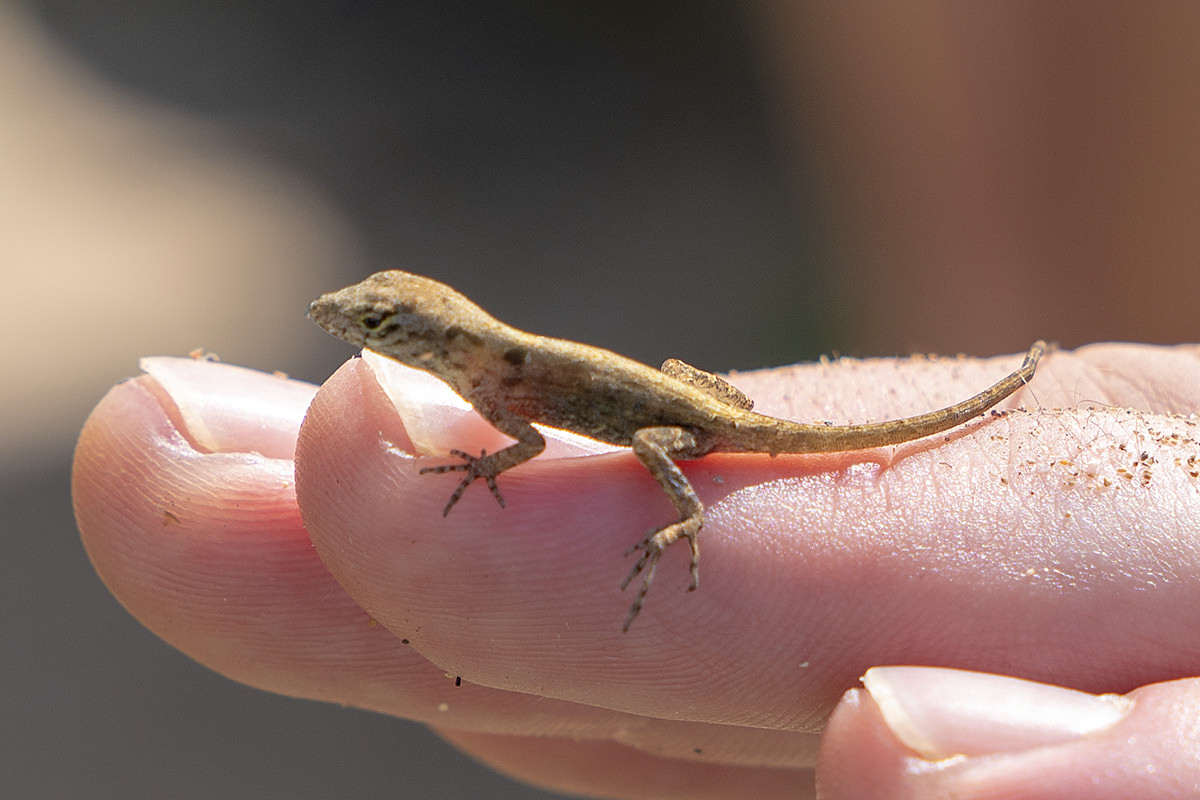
471 466
652 548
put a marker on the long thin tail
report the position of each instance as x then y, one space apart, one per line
832 438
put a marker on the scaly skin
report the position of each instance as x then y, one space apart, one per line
513 378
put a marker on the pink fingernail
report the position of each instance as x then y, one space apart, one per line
945 712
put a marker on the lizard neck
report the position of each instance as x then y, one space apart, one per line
469 358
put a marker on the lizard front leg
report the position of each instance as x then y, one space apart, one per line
657 448
529 444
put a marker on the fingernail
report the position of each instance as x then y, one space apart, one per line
228 409
945 712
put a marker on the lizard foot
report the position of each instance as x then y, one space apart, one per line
475 467
652 548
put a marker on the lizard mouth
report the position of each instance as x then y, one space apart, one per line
324 312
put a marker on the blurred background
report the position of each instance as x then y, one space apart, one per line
738 184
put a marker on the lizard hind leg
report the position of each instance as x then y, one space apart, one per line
656 448
652 548
710 384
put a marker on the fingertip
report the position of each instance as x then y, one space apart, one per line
193 542
932 732
860 757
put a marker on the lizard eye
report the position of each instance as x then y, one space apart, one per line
371 321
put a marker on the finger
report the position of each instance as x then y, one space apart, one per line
183 491
1053 544
919 732
610 770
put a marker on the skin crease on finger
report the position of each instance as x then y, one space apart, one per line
202 542
1067 533
582 767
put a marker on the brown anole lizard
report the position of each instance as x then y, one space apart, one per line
678 413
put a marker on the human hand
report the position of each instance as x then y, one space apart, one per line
997 547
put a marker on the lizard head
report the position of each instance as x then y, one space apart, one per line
415 320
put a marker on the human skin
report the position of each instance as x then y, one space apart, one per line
1056 545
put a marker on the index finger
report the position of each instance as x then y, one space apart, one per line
1055 544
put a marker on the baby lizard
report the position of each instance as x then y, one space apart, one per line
513 378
